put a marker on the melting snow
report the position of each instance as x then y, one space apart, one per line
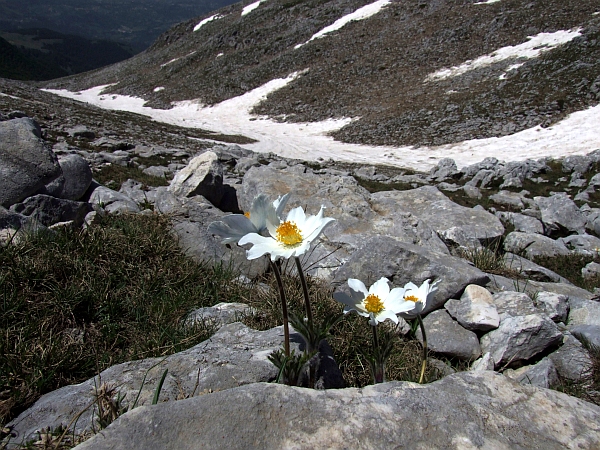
159 88
362 13
576 134
486 3
531 49
251 7
208 19
176 59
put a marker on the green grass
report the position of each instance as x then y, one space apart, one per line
569 266
76 302
113 175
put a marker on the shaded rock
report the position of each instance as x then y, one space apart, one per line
542 374
400 263
571 360
486 362
531 270
445 414
50 210
202 176
75 180
508 198
81 132
445 169
555 306
521 222
587 334
520 338
475 310
560 213
157 171
26 164
445 336
533 245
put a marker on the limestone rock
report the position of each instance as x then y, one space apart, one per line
571 360
445 336
513 304
533 245
531 270
26 164
555 306
76 175
113 201
462 411
386 257
559 213
475 310
521 222
202 176
583 312
520 338
542 374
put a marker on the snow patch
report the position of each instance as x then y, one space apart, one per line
208 19
251 7
488 2
360 14
578 133
531 49
158 89
176 59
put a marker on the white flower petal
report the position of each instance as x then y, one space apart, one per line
358 286
380 288
297 216
386 314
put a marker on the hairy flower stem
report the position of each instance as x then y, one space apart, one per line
424 362
284 311
309 315
378 365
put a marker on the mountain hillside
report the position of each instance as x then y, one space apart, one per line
380 70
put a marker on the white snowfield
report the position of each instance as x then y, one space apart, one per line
578 133
208 19
251 7
360 14
535 46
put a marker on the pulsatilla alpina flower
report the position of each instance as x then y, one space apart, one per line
291 237
235 226
378 303
419 295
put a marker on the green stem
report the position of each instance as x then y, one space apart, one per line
377 365
309 315
424 362
286 330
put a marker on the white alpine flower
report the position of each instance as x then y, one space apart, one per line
378 303
419 295
291 237
235 226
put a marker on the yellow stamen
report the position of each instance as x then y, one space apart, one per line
411 298
247 214
373 304
289 234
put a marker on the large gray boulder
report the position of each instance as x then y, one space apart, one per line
49 210
560 213
26 164
383 256
520 338
445 216
202 176
76 178
462 411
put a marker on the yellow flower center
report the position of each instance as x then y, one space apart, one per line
411 298
289 234
247 214
373 304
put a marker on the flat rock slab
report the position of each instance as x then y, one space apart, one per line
462 411
234 356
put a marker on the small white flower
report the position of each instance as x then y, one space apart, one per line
289 238
235 226
378 303
419 295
